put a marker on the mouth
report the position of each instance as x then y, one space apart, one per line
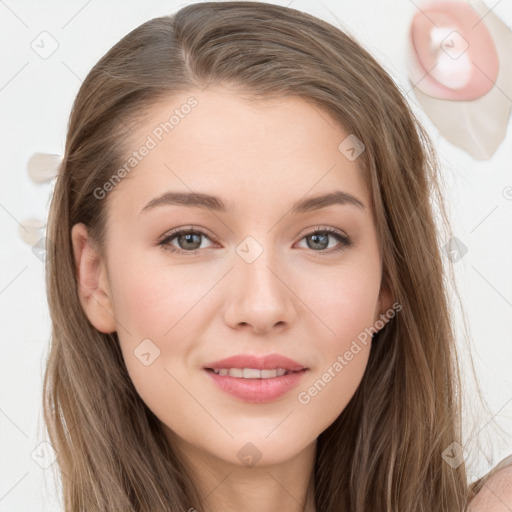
252 373
250 366
252 379
256 380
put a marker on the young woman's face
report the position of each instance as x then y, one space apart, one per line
254 265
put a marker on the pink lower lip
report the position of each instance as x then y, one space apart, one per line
257 390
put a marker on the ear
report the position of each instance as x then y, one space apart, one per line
385 307
92 277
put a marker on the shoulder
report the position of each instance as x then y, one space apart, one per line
495 494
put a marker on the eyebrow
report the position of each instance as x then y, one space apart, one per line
199 200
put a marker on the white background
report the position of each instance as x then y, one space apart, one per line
35 99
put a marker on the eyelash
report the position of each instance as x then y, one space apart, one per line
345 241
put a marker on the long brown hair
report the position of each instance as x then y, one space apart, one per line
385 450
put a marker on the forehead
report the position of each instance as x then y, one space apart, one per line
246 149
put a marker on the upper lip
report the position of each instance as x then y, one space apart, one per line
269 362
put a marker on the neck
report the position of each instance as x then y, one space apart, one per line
227 487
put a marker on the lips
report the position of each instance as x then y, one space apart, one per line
269 362
256 379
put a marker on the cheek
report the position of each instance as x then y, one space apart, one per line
161 311
346 306
355 307
345 301
150 299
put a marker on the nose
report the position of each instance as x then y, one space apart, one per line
260 296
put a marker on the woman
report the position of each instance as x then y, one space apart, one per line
244 278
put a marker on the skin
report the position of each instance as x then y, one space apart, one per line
496 493
298 300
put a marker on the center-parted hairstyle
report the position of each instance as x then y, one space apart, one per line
384 452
